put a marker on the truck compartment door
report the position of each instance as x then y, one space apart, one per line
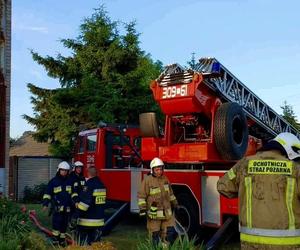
210 200
136 180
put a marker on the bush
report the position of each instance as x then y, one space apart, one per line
12 218
16 229
8 207
95 246
33 241
13 226
9 244
34 194
181 243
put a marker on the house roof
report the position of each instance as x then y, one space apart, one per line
27 146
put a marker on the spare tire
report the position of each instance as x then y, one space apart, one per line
149 125
231 131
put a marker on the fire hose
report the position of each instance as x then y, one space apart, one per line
34 219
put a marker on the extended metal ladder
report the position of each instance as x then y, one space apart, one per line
267 122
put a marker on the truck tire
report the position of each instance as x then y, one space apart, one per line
231 131
187 214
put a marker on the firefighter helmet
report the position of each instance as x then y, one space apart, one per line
290 143
78 164
156 162
63 165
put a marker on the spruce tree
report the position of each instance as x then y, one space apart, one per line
106 77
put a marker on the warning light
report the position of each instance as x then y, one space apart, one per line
216 68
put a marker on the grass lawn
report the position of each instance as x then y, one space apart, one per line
126 235
41 215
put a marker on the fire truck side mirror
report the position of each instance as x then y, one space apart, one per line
148 125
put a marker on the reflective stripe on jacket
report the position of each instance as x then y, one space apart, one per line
59 191
156 197
91 203
269 206
78 181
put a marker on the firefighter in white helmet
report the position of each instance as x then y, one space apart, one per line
76 176
157 201
78 183
267 185
58 193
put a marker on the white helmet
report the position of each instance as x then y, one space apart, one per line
156 162
78 164
290 143
63 165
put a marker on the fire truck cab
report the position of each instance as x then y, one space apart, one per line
114 150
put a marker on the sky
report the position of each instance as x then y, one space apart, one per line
257 40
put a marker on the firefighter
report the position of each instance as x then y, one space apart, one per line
91 208
78 182
76 176
58 193
157 201
267 185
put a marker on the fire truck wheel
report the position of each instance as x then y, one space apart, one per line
231 131
187 214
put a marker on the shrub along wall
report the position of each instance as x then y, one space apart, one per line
16 230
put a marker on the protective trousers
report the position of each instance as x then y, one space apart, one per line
88 235
251 246
59 225
162 230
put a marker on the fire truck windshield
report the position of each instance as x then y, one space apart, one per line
91 143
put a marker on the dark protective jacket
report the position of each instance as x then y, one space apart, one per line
156 198
91 203
59 192
77 181
268 187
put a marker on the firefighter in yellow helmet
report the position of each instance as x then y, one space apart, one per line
156 200
268 187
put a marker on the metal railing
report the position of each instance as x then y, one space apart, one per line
230 89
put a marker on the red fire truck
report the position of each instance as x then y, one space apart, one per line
211 120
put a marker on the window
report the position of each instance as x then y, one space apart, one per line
81 144
120 140
116 140
91 143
